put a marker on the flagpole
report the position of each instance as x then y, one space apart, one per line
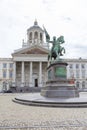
47 36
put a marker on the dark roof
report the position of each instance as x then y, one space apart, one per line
35 26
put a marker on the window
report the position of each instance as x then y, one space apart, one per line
77 84
36 35
71 74
4 65
41 36
83 73
83 84
71 66
4 74
83 66
11 65
77 74
30 36
10 74
77 66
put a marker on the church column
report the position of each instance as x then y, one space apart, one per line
14 74
30 83
40 74
22 75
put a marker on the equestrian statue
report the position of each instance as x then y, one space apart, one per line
57 50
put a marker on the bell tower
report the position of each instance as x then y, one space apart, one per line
35 35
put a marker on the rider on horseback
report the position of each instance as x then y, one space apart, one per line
56 49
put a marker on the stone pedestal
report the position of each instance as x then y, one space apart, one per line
58 85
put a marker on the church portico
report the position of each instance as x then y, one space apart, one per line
29 74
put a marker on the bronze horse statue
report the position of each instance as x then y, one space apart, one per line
57 50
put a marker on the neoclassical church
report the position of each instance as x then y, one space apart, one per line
30 62
28 66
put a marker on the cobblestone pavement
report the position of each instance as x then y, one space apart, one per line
44 125
14 116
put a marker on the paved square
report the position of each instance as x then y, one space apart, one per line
13 112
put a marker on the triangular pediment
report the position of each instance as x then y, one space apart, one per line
32 50
35 51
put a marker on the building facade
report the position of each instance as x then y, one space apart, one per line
28 66
6 73
77 69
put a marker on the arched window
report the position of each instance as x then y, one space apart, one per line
40 36
36 35
30 36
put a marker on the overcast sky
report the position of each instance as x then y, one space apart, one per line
60 17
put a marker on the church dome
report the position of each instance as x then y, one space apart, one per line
35 27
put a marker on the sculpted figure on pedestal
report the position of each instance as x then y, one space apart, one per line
57 50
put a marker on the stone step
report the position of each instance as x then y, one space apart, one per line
50 104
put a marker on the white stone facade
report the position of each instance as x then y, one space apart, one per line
28 65
77 69
6 73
